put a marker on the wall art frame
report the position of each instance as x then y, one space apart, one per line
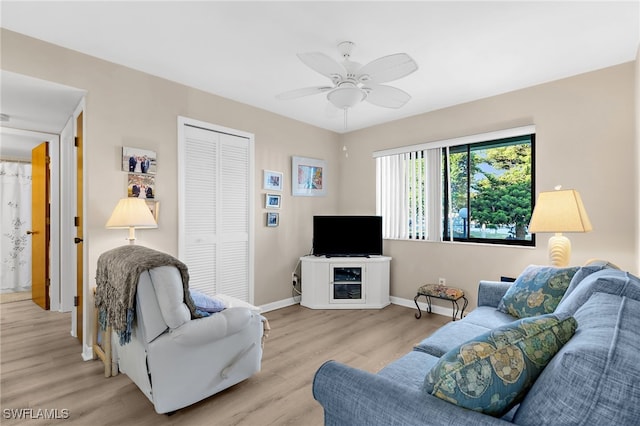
308 177
272 181
141 161
154 207
272 201
273 219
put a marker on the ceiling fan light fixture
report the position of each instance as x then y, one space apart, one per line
346 97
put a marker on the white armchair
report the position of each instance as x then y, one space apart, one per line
176 361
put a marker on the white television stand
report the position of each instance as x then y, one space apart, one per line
345 282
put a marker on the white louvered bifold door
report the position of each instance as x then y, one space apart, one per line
214 215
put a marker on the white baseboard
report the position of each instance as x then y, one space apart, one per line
407 303
87 353
279 304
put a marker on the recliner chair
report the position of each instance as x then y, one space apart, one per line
177 361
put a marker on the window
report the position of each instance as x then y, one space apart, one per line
475 189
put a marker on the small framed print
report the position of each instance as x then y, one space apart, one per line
154 206
273 219
272 201
272 181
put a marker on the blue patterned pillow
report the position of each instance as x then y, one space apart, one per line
492 372
536 291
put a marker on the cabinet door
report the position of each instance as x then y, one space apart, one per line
347 283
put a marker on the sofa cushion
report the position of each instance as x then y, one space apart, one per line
610 281
492 372
449 336
410 369
583 273
594 378
167 283
488 317
536 291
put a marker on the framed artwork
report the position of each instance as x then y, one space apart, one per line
141 186
154 206
308 177
273 219
272 201
136 160
272 181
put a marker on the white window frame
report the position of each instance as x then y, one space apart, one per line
433 192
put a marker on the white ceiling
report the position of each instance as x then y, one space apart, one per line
35 107
246 51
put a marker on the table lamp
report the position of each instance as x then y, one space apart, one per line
131 213
559 211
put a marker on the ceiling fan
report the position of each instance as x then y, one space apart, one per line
353 82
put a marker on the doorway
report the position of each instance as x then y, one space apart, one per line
17 149
48 110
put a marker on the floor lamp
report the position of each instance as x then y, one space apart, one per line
559 211
131 213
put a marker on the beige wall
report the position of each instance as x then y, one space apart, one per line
130 108
585 140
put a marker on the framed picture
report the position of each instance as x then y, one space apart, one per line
141 186
273 219
154 206
308 177
272 181
136 160
272 201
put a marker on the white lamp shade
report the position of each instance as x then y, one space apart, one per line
559 211
131 213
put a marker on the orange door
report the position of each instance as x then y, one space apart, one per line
79 229
40 209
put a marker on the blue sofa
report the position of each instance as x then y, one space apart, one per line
594 379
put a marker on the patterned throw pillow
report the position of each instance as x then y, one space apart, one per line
493 372
536 291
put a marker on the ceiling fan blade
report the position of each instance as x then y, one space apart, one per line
386 96
323 64
388 68
306 91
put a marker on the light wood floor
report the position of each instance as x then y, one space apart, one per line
41 368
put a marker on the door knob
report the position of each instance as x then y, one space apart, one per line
31 232
77 240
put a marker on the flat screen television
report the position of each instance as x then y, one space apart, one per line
347 235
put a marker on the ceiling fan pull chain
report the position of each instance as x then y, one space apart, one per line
345 119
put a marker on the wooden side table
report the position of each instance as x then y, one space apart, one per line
102 344
441 292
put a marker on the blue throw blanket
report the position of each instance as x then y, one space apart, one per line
117 277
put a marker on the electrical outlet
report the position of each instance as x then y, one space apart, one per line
294 279
442 281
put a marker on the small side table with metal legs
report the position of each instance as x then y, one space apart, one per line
442 292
